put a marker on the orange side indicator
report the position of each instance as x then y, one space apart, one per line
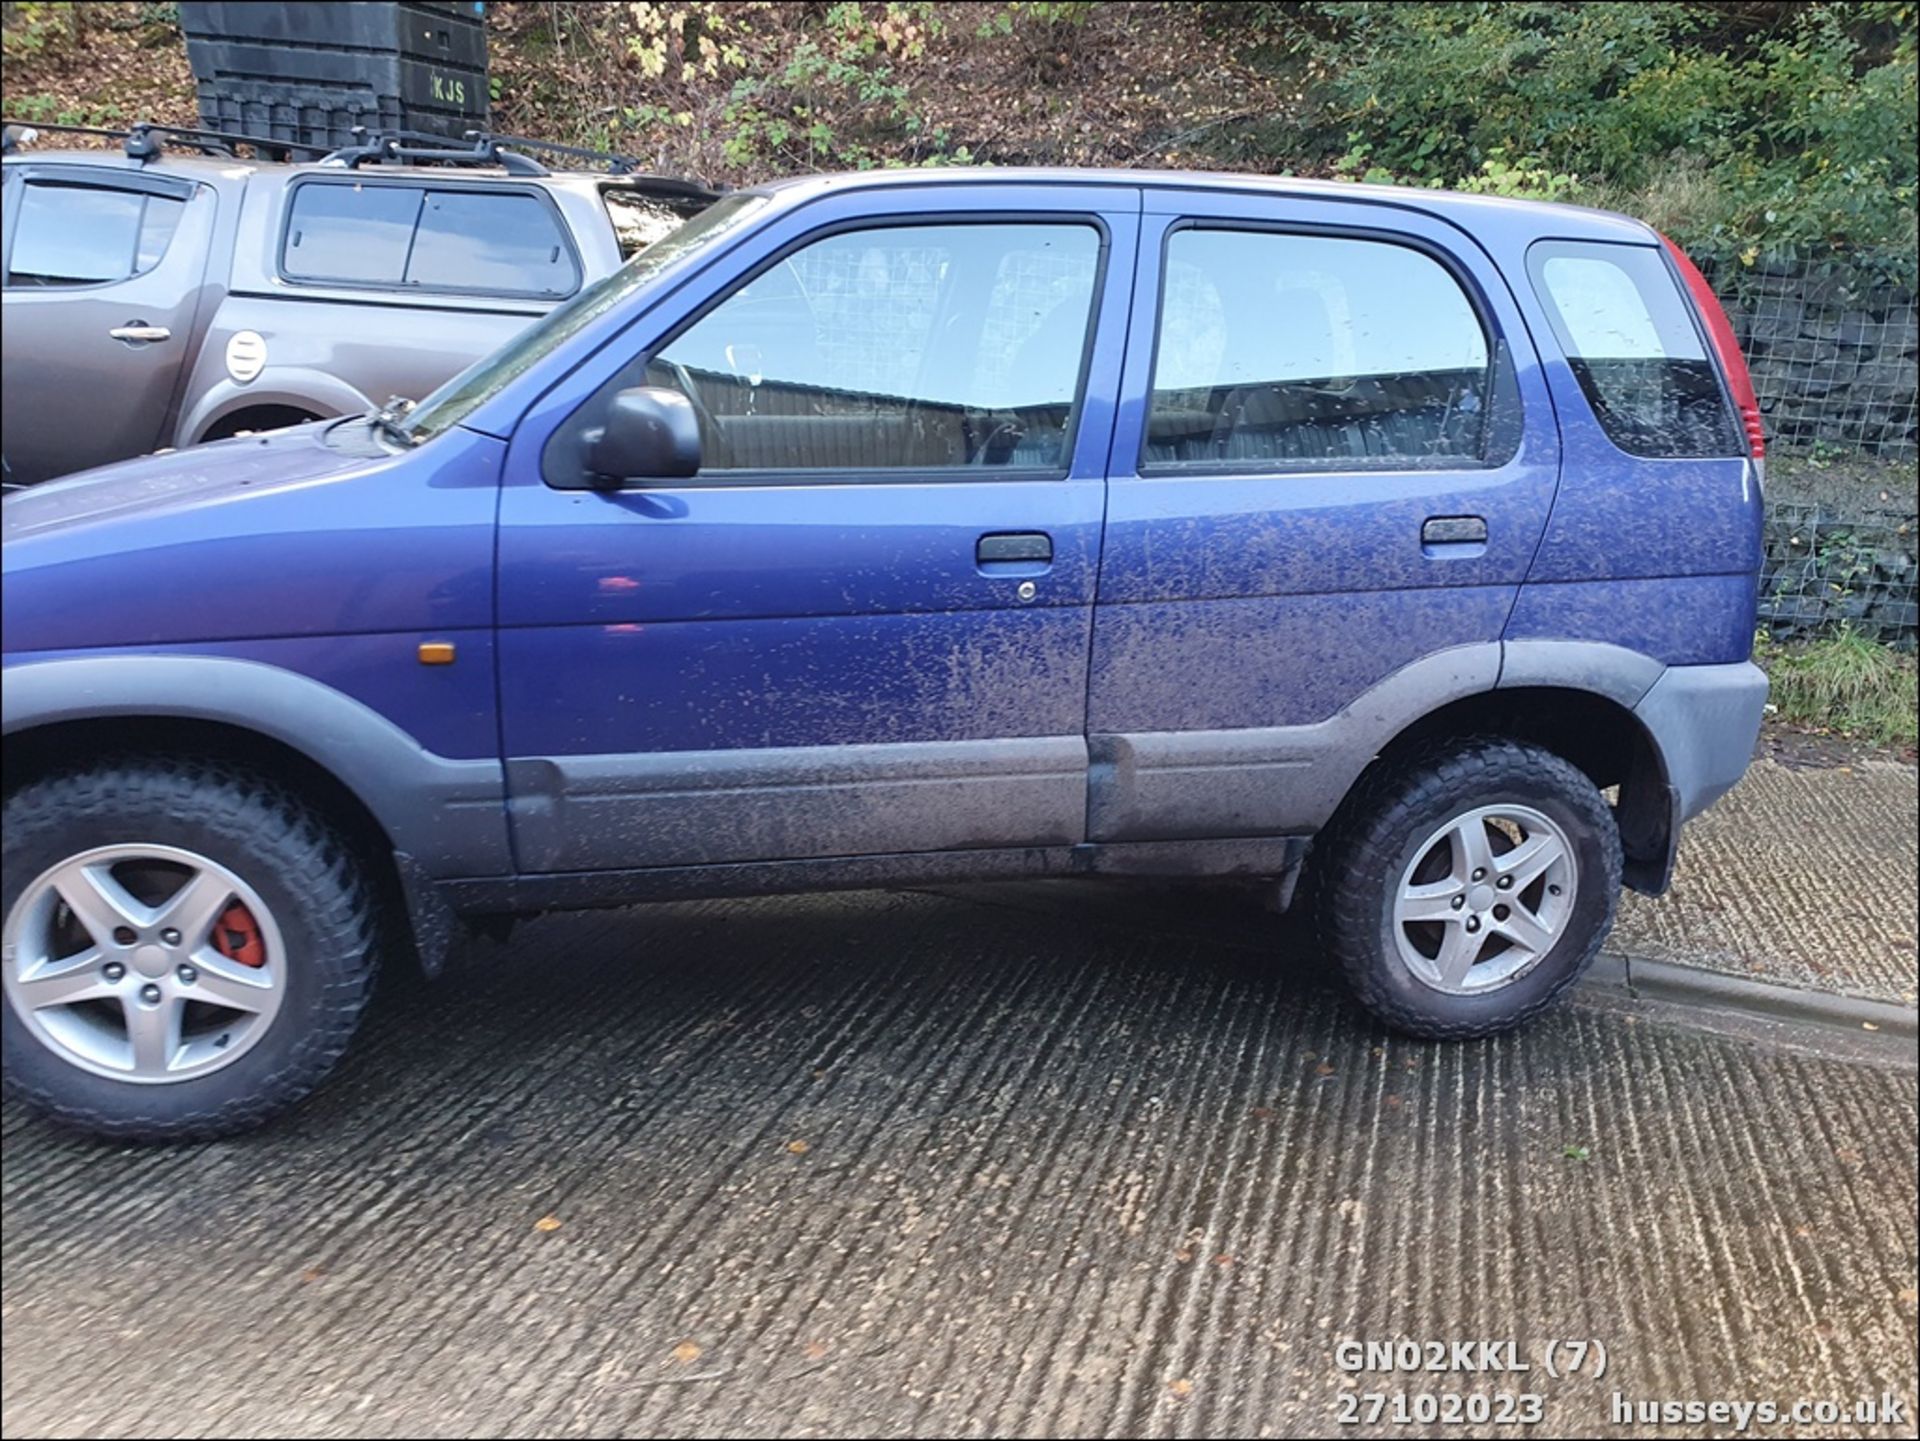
436 652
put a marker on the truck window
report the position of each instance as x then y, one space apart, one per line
639 220
405 236
88 235
356 234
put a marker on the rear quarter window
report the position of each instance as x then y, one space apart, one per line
412 237
1634 347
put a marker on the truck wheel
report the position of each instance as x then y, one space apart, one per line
187 948
1467 887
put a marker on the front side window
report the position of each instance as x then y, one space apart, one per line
905 348
1286 351
88 235
459 397
1632 344
406 236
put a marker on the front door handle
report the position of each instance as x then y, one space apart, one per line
1454 530
1026 545
139 332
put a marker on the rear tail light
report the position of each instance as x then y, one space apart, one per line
1732 363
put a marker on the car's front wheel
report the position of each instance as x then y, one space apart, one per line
1466 887
187 948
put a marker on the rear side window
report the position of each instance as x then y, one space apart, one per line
490 242
406 236
1285 351
88 235
353 233
1632 344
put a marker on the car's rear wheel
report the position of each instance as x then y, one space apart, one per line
187 948
1465 888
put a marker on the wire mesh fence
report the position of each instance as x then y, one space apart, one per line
1832 349
1825 568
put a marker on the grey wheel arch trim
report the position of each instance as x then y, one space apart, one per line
1699 721
449 815
1621 675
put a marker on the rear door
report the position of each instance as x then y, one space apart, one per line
103 274
863 627
1333 462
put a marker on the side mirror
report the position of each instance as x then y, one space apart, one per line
651 434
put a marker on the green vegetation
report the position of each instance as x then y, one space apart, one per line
1747 130
1846 685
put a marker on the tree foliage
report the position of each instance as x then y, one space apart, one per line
1748 129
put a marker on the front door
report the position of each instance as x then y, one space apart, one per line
862 628
103 274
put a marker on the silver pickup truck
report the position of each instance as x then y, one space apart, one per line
153 298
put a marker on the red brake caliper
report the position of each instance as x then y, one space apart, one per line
236 935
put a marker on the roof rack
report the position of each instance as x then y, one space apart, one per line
379 146
485 148
145 140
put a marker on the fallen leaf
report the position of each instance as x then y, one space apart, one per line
816 1349
313 1273
1223 1259
547 1223
799 1148
1323 1069
1183 1255
686 1353
1182 1387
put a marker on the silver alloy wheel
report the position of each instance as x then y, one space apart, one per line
1485 897
111 961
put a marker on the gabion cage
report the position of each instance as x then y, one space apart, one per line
1832 350
1825 568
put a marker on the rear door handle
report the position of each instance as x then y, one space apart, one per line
1454 530
140 332
1026 545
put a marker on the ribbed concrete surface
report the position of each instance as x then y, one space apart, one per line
1800 875
935 1165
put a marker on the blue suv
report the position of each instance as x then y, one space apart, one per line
883 529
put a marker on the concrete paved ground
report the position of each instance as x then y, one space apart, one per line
1804 874
1058 1161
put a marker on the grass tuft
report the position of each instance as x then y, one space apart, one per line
1845 684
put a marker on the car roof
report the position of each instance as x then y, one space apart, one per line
1469 212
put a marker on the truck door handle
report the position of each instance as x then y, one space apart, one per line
1028 545
139 332
1454 530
